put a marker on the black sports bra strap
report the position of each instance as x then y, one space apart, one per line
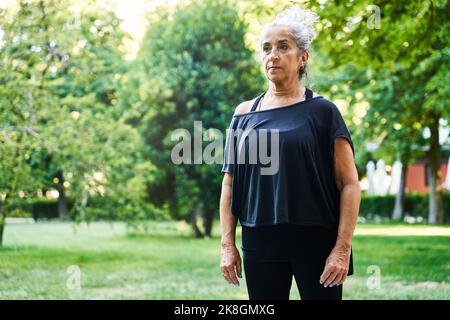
257 101
308 94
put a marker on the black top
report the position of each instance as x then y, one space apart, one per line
303 190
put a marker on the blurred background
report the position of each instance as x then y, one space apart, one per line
91 205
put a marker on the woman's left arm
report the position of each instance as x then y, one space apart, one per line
337 264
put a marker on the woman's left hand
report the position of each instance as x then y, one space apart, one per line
336 267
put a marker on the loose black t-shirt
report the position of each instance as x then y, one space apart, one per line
303 190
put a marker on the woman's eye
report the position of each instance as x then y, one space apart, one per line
284 47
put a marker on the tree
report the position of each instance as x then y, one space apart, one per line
19 136
59 118
193 65
404 48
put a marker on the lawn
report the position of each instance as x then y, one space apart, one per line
37 262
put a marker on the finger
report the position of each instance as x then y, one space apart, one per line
330 279
233 277
226 276
224 272
239 269
325 274
344 279
338 279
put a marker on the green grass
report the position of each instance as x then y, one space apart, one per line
167 263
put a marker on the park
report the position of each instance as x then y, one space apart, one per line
113 121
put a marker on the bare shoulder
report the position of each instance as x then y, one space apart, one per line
244 107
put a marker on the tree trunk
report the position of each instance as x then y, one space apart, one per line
2 227
399 208
62 200
194 216
436 210
2 218
208 218
2 224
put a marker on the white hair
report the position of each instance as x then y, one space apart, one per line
301 21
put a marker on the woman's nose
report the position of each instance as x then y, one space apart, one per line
274 54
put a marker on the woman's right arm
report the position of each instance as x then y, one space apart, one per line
230 261
228 221
230 264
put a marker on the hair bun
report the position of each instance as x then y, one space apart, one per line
301 20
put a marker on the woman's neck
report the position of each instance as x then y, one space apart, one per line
284 92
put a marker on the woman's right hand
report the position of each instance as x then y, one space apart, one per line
230 263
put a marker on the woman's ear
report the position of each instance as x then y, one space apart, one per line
305 56
303 59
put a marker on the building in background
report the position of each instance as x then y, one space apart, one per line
417 175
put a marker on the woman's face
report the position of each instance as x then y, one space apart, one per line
280 54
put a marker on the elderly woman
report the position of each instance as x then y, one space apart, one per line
298 221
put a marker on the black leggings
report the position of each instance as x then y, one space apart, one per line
271 280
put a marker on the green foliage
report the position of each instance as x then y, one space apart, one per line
401 66
41 209
59 73
99 208
416 205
